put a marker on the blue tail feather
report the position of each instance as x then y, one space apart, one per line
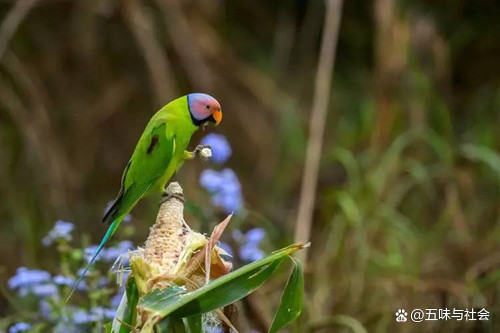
111 230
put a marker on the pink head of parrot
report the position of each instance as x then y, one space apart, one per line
203 108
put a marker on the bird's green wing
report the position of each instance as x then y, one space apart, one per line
150 160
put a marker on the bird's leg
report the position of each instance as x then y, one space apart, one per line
189 155
167 196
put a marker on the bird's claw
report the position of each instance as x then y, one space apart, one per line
166 197
199 148
205 151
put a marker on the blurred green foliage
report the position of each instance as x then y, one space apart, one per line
407 213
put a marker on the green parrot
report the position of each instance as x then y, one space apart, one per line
161 150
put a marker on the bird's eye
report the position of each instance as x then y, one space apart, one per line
207 106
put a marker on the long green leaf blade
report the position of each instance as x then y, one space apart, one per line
193 324
228 293
209 297
220 292
291 299
157 299
171 324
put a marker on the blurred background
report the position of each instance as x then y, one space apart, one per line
406 209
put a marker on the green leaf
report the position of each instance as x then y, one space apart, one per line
126 312
171 324
223 291
484 155
217 296
291 299
193 324
158 297
209 297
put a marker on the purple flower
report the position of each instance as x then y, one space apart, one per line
214 329
81 316
89 251
226 248
237 235
44 290
211 180
102 282
230 181
250 253
109 254
221 150
250 243
19 327
62 280
101 313
230 202
28 277
61 230
66 326
45 309
250 250
255 235
224 187
115 300
112 253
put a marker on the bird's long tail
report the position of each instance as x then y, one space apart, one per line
111 230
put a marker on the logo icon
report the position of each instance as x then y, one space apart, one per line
401 315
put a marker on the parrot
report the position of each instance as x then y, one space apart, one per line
160 151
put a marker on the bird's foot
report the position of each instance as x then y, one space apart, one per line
167 196
205 151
